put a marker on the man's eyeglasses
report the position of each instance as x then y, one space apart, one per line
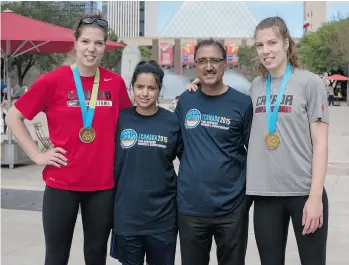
91 20
204 61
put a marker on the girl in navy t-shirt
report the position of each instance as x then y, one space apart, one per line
147 142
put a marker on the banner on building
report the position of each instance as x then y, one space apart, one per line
188 53
232 54
307 22
166 53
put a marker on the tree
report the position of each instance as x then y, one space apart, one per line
326 50
247 60
341 44
51 12
145 52
112 59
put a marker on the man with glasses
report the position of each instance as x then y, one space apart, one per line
215 124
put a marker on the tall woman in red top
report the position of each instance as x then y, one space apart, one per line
82 104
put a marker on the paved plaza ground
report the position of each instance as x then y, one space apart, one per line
22 241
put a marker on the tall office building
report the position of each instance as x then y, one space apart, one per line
314 15
132 18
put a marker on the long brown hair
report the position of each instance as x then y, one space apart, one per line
279 24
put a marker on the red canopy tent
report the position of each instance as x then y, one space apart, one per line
337 78
21 35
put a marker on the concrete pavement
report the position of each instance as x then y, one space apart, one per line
23 241
21 228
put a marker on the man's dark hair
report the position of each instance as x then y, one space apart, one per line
209 42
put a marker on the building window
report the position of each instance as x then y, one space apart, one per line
141 27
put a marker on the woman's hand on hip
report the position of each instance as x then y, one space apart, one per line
53 157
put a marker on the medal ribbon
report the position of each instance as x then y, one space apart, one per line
272 116
87 113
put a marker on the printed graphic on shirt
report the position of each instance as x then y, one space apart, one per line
130 137
103 98
194 117
285 105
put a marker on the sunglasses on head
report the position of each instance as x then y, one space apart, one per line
91 20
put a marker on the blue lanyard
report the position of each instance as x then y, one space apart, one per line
272 117
87 113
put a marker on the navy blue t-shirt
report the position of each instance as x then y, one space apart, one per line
146 181
215 131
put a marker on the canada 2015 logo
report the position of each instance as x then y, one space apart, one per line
128 138
192 118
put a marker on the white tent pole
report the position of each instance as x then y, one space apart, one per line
19 47
14 55
8 80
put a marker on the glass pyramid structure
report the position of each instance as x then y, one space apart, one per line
211 19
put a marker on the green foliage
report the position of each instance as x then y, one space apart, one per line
247 60
51 12
145 52
112 59
44 10
326 50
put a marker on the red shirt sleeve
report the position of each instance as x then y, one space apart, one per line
125 101
38 97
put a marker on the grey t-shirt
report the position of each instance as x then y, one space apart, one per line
287 170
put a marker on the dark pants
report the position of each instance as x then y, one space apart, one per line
271 220
60 209
229 231
3 117
160 249
331 100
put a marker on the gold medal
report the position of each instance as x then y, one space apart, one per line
272 140
87 135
